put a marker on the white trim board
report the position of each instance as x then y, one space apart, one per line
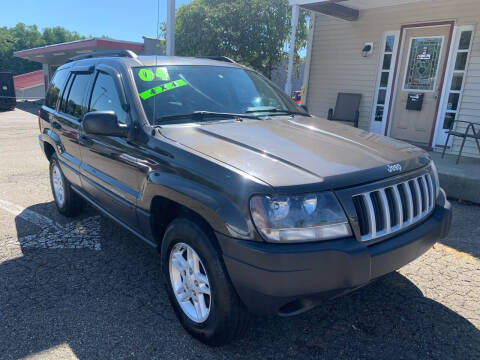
379 126
308 60
442 109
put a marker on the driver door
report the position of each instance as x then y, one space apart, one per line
109 174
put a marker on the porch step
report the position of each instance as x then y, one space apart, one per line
460 181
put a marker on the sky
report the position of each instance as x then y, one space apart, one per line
117 19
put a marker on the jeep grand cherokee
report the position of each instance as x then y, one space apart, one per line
254 205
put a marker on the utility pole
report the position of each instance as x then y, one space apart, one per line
170 27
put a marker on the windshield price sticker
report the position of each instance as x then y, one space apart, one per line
148 75
162 73
147 94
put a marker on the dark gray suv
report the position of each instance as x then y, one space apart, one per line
254 205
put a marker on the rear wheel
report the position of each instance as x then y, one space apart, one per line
200 292
68 202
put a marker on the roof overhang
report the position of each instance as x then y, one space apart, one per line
58 54
347 9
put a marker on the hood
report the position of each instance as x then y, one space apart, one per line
286 152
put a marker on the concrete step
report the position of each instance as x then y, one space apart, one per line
460 181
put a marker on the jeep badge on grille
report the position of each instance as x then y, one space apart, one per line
394 168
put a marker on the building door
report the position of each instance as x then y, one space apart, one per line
419 83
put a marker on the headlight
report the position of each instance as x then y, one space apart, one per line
303 218
435 177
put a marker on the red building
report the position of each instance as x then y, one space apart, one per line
52 56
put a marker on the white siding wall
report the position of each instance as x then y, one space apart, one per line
337 64
470 105
36 92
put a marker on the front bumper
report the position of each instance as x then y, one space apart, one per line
288 279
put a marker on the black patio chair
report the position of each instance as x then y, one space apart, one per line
346 108
451 131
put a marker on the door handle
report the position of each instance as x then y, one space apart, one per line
56 125
86 141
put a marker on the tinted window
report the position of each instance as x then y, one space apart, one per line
56 86
65 92
77 92
105 97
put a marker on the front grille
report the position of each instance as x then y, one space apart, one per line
390 209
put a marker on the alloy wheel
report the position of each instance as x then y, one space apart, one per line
58 185
189 282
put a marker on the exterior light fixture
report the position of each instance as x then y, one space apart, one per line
367 49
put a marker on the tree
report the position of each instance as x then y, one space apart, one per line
14 39
252 32
21 37
58 34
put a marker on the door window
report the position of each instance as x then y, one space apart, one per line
65 92
74 104
422 66
458 77
384 81
56 85
105 97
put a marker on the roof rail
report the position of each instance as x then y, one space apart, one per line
218 58
107 53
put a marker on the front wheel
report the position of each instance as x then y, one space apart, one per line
198 287
68 202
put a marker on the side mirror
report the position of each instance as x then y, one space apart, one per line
103 123
304 107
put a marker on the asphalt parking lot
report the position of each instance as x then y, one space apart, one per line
85 289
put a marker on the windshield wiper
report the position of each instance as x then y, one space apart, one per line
268 109
201 115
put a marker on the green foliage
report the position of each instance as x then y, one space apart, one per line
58 34
21 37
252 32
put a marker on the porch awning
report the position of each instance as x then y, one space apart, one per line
346 9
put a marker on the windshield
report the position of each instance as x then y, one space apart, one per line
166 91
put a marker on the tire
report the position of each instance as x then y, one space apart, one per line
67 201
227 318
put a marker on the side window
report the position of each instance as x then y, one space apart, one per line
74 104
65 92
56 86
105 97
